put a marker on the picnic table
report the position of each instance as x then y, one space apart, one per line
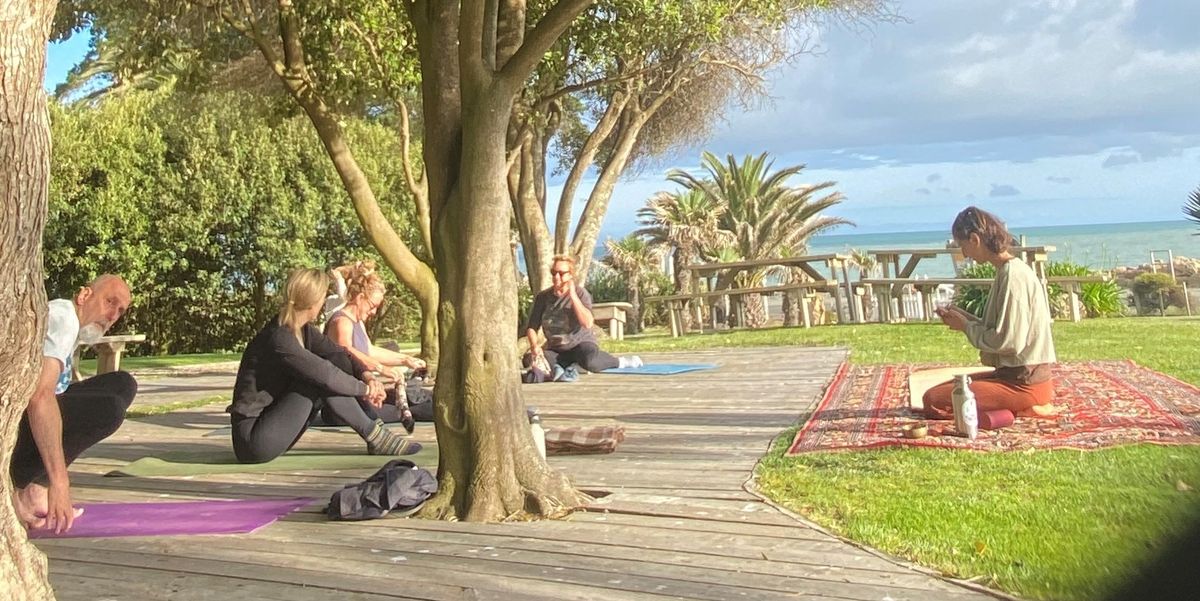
836 263
890 259
108 353
677 302
612 314
899 264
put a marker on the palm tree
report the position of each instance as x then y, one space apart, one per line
633 257
762 214
1192 208
681 224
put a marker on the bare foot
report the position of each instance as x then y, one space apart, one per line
936 413
25 503
1042 411
32 503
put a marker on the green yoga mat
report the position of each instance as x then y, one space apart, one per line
223 462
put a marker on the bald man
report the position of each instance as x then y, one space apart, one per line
63 419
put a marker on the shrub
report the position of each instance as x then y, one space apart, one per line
1158 291
973 299
1098 298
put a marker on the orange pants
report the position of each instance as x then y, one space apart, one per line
992 394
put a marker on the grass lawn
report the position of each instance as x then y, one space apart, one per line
1043 525
163 361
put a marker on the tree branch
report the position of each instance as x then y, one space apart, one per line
604 128
537 42
471 16
416 184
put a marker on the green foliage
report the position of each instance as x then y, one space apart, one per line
606 285
203 204
762 216
1192 208
1108 509
1158 291
973 299
1099 299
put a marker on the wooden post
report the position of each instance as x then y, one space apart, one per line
1074 300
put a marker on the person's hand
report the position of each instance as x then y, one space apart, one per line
954 319
537 351
415 363
375 393
60 515
396 375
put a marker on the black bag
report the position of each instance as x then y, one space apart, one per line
399 486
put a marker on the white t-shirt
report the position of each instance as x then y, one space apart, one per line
62 335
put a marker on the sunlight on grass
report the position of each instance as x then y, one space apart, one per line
1058 524
148 410
163 361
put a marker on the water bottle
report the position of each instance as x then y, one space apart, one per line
966 417
539 435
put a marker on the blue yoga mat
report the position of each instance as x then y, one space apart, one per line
661 369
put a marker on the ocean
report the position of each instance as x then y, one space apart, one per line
1102 247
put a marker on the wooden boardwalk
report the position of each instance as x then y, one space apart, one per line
673 522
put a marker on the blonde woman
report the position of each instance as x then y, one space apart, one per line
290 370
364 293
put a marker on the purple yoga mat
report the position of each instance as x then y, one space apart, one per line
181 517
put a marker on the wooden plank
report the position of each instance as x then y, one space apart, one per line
671 519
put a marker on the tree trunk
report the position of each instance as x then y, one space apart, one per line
488 467
536 243
635 312
24 187
756 310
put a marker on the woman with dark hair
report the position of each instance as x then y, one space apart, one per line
290 370
1013 336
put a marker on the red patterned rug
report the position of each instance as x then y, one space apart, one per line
1106 403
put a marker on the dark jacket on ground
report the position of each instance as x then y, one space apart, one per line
275 363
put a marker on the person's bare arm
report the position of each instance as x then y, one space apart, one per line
582 312
45 422
532 336
393 358
341 331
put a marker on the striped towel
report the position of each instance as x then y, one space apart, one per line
578 440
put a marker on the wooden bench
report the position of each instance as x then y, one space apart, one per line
108 353
676 303
612 314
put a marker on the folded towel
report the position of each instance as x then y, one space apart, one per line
577 440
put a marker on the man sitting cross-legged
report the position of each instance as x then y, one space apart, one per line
63 419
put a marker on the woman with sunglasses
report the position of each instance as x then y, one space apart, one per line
364 295
1013 336
564 314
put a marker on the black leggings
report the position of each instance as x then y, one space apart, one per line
420 404
92 410
282 423
587 354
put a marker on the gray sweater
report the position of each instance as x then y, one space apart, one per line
1015 328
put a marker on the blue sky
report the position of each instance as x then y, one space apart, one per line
1046 111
